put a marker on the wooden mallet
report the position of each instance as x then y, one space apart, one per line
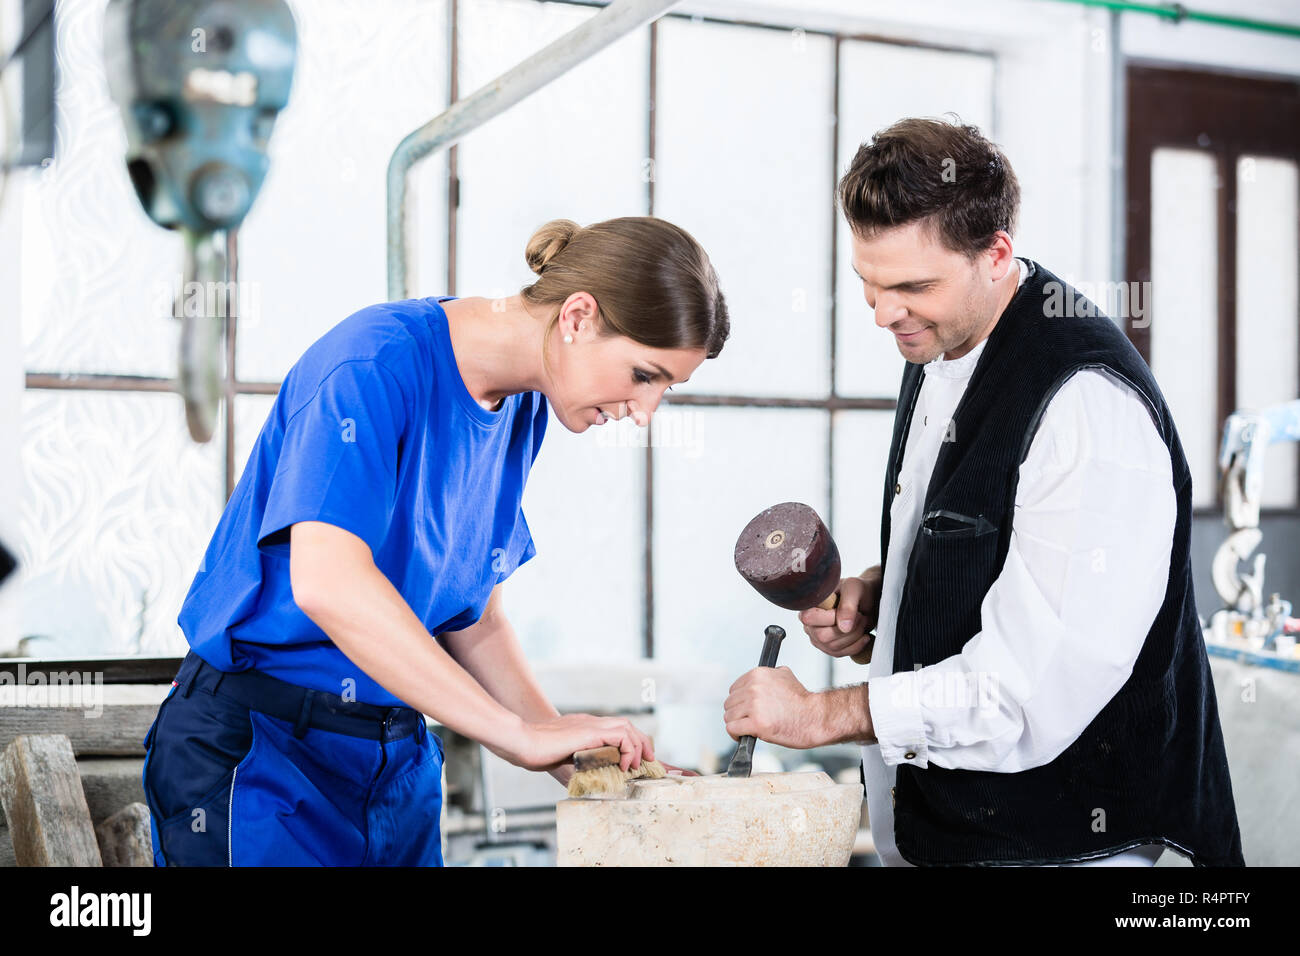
790 558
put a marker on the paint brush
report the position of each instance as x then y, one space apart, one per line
597 772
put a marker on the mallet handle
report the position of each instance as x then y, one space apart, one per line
861 657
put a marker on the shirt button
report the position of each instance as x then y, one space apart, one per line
910 755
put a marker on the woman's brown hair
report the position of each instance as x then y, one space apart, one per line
651 280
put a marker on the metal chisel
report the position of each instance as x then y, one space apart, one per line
743 761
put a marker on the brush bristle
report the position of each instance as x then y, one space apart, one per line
611 779
650 769
601 780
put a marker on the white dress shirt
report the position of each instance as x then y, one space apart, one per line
1062 625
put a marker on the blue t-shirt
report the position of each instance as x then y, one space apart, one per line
374 431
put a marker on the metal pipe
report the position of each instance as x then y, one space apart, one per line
836 403
1178 13
95 382
231 325
1118 147
199 374
488 795
588 38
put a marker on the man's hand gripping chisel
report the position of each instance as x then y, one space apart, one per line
743 762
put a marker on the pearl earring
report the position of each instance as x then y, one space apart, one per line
568 340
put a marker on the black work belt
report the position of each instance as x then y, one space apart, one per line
302 707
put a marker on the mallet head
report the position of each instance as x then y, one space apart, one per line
789 556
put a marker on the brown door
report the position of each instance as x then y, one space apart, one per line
1211 173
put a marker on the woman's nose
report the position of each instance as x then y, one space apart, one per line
641 412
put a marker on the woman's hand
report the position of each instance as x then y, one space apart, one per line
548 743
562 774
679 770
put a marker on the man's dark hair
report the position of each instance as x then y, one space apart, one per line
943 172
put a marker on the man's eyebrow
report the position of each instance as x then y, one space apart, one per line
911 283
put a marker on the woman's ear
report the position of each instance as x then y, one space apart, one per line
580 315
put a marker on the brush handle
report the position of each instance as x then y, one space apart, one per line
861 657
596 758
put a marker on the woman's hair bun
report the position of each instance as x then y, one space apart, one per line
548 241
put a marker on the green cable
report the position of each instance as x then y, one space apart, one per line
1178 13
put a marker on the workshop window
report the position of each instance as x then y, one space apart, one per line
1184 281
576 149
871 96
1212 212
1268 337
118 503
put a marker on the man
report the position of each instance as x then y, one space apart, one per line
1039 691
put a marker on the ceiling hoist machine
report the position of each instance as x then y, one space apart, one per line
200 84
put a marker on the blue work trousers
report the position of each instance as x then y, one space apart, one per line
242 769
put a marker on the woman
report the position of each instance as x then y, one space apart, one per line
380 506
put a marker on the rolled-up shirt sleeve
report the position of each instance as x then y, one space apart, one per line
339 457
1063 624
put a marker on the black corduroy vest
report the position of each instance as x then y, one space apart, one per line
1151 767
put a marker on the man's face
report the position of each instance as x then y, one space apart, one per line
933 300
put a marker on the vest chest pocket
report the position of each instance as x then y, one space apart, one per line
952 546
951 524
952 567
